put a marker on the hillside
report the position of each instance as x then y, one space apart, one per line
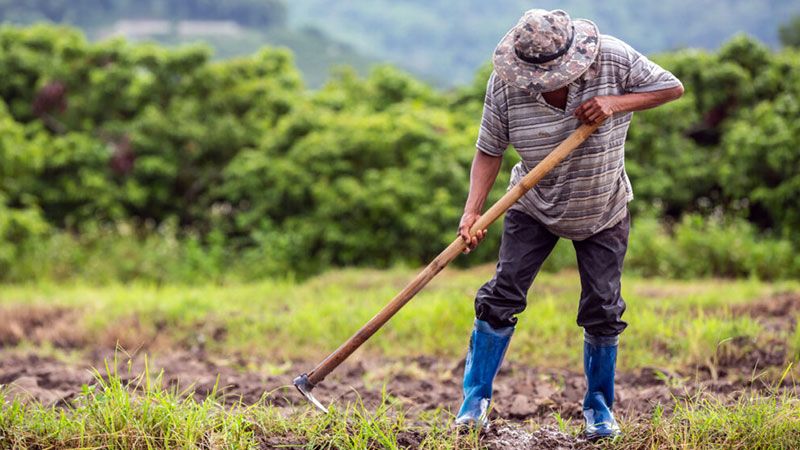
231 28
448 40
441 41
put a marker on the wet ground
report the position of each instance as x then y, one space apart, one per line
522 393
419 384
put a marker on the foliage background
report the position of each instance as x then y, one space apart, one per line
175 166
441 41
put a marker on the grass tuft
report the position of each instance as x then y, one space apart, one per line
751 422
141 414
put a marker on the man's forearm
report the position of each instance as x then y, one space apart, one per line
482 176
600 108
639 101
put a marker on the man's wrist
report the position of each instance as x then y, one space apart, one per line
617 103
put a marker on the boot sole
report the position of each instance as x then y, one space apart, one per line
469 427
600 437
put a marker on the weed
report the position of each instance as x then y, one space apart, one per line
672 323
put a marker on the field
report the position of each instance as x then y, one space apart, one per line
180 236
704 364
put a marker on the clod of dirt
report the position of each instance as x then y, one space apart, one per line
409 439
128 333
521 406
507 436
781 305
40 324
27 387
44 380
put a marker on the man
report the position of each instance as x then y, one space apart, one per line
550 74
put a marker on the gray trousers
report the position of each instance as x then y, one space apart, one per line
525 245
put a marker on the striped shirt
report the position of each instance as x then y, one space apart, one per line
588 191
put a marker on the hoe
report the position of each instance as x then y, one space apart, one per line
306 382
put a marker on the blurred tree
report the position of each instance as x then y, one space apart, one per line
447 40
761 163
362 171
789 32
255 13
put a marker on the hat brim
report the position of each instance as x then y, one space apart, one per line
554 74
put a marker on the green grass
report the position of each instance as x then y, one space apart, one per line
752 422
146 416
671 323
143 415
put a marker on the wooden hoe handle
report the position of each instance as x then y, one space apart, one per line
454 249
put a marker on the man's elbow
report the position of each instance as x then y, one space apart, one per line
677 92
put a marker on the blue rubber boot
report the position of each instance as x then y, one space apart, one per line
599 361
487 346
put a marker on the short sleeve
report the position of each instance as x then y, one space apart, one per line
643 75
493 134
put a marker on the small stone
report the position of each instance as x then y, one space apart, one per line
521 407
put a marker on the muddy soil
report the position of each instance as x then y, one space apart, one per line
522 393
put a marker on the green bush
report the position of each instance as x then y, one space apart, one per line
122 252
233 164
18 226
710 246
29 251
761 162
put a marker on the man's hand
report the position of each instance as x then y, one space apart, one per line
597 109
600 108
467 220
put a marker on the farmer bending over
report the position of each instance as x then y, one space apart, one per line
550 74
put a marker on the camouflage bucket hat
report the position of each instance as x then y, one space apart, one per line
546 50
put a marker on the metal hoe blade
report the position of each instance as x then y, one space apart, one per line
305 387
